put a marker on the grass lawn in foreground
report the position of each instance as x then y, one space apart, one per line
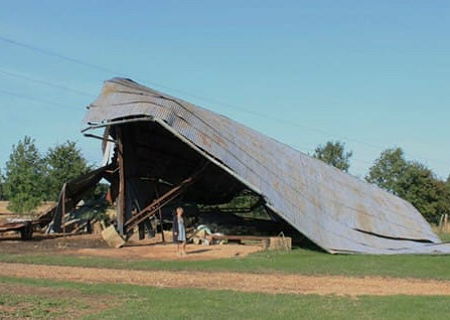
52 299
296 261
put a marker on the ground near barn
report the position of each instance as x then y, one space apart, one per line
93 245
132 282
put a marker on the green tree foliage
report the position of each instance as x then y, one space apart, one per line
334 154
2 195
388 170
23 177
30 178
427 193
97 193
63 163
411 181
245 204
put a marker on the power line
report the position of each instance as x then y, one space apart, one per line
88 64
257 114
57 55
55 104
47 83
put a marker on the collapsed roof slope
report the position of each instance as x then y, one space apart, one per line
338 212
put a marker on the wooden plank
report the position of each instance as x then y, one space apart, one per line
12 226
122 200
25 228
160 214
63 214
238 237
151 209
441 223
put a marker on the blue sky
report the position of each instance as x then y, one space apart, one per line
373 74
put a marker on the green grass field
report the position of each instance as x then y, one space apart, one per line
114 301
297 261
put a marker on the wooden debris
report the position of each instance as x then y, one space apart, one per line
24 227
112 238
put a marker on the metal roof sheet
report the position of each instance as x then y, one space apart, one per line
340 213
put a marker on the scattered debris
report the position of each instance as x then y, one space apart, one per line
112 238
202 235
24 227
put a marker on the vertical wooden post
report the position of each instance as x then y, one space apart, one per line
122 199
160 213
446 223
63 210
441 223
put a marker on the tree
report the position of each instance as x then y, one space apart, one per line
63 163
23 177
387 170
423 190
2 196
411 181
334 154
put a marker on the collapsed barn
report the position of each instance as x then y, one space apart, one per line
160 151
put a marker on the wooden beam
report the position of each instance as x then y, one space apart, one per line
122 200
160 214
238 237
151 209
166 198
63 218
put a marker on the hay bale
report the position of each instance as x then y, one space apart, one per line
112 238
280 243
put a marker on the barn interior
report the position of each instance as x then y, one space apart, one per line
154 172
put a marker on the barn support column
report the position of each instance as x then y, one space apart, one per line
122 199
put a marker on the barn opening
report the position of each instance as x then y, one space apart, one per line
154 172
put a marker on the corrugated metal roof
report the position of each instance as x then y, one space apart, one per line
340 213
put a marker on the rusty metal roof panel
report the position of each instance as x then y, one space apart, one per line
338 212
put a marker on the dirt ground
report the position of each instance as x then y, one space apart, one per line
267 283
93 245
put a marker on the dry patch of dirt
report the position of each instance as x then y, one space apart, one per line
42 243
267 283
168 252
94 245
